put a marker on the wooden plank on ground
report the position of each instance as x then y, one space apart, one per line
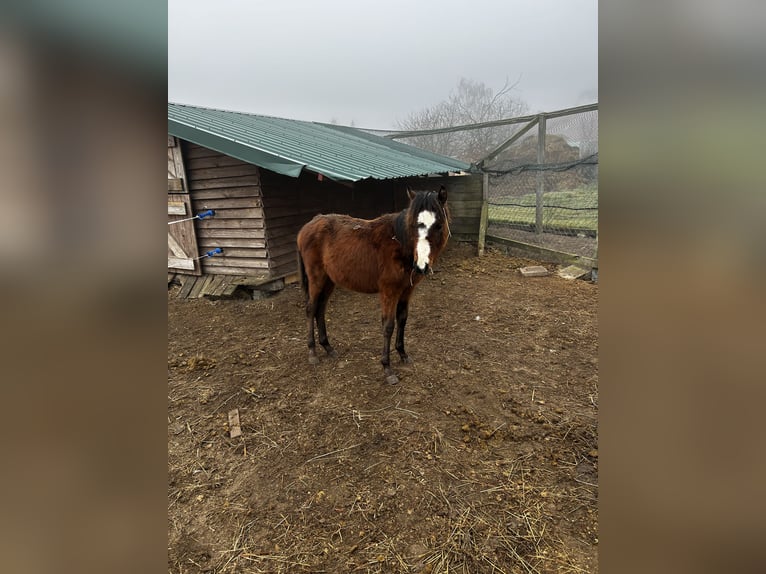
234 429
252 280
574 272
213 286
188 282
199 285
534 271
224 283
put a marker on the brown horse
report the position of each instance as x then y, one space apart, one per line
388 255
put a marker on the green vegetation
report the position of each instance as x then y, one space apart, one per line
573 209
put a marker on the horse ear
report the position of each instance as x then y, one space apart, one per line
443 195
411 194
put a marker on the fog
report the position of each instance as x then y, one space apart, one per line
375 63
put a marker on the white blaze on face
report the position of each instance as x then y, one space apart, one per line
425 221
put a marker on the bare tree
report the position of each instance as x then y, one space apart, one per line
471 102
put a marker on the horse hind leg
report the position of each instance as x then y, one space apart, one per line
313 298
310 314
324 297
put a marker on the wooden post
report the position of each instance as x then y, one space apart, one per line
484 212
540 175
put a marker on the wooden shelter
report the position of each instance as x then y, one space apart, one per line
265 177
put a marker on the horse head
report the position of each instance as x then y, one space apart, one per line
427 223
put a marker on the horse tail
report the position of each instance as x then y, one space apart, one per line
302 273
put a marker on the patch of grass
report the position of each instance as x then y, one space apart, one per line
575 209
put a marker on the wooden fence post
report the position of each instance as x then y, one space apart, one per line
540 175
484 212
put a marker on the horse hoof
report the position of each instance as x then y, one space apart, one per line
406 360
332 353
313 360
392 380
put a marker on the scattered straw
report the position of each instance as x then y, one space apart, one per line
332 452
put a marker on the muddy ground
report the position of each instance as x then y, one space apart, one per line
483 459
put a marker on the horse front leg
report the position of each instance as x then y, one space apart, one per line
389 315
401 321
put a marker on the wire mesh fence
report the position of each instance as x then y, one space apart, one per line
543 189
542 175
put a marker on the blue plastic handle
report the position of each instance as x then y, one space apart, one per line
214 252
204 214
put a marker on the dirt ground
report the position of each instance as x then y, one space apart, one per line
483 459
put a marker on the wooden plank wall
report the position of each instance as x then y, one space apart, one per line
464 197
233 189
289 203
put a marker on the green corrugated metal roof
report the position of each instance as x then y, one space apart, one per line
288 146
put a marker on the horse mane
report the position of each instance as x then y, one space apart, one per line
400 228
425 200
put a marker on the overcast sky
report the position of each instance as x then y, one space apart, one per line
375 62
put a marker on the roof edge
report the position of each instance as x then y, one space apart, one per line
235 149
